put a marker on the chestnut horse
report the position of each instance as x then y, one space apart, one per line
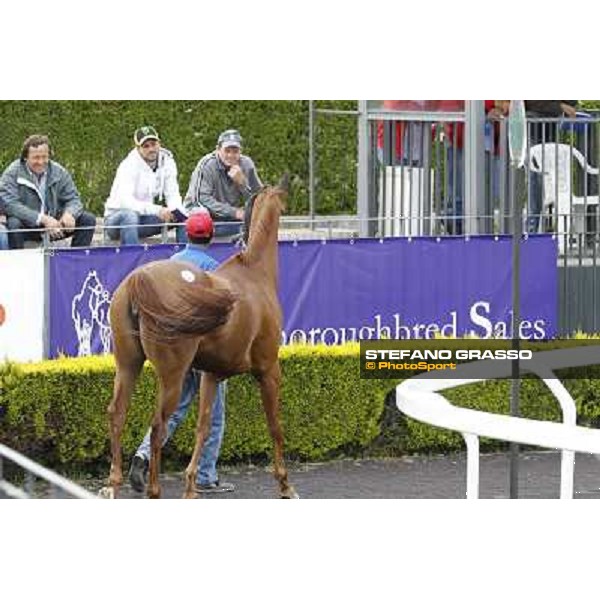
223 323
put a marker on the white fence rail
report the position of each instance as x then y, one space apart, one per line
60 486
420 399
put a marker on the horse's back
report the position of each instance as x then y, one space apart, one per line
177 276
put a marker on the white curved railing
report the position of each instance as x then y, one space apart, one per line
32 469
420 399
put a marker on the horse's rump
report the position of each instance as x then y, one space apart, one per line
173 300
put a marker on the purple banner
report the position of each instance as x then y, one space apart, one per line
341 290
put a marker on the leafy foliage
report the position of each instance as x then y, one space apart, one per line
55 411
90 138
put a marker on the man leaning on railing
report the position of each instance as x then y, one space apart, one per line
39 197
145 180
222 182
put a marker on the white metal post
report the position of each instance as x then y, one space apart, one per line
363 169
472 442
474 171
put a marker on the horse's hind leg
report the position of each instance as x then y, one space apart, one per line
129 358
171 362
269 390
208 388
125 378
169 394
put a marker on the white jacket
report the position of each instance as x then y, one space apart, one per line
137 186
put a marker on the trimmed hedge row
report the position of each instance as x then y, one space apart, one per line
56 411
90 138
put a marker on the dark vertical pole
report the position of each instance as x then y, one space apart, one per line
515 386
311 162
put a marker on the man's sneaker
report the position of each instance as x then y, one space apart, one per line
138 473
216 487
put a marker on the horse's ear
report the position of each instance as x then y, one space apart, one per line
284 183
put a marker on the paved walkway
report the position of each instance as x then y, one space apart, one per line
409 477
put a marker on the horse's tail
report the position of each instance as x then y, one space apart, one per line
167 310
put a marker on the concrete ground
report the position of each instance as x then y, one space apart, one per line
407 477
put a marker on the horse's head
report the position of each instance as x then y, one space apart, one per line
266 200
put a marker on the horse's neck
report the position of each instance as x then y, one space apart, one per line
261 252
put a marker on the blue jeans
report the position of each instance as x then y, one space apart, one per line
3 238
135 226
207 465
225 229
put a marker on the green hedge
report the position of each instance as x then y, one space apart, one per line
90 138
56 411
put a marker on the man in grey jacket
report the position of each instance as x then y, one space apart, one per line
223 181
38 194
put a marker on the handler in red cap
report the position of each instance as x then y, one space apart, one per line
200 231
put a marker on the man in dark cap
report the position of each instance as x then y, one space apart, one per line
222 182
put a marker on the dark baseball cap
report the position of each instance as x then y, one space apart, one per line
199 225
230 137
145 133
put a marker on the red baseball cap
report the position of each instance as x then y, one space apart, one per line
199 225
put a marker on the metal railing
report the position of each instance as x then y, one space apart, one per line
292 227
420 399
417 177
60 487
579 269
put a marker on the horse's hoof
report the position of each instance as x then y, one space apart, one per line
154 494
107 493
291 495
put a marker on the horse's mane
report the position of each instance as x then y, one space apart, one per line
267 206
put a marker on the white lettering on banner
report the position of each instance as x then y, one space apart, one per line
366 333
503 329
22 301
479 318
298 336
312 332
334 336
382 332
89 312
